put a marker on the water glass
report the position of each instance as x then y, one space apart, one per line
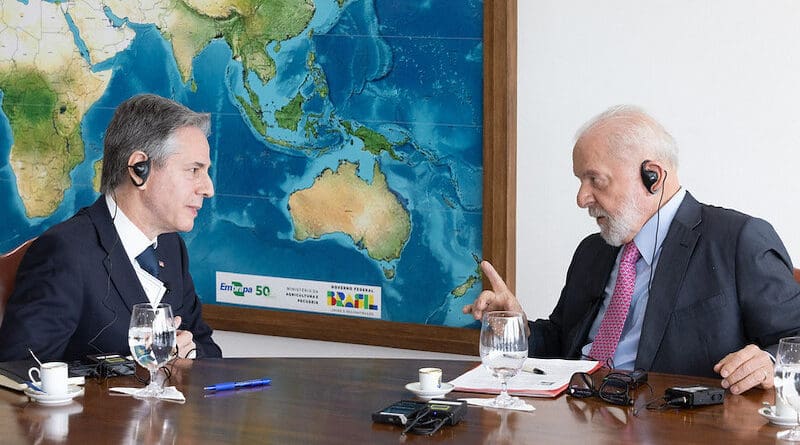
503 349
151 338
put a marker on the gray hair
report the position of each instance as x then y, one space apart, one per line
145 123
639 132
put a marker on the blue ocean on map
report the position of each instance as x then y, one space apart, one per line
411 71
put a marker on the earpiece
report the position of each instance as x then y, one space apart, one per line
142 170
649 177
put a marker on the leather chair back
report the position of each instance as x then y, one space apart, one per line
9 263
797 275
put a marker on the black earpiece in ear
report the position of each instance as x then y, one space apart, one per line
649 177
142 170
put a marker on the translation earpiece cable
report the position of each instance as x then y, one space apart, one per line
655 238
105 300
108 283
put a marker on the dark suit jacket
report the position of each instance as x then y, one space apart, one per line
724 280
76 288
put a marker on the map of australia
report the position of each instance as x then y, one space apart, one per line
346 134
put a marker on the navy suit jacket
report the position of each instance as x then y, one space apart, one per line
724 280
76 288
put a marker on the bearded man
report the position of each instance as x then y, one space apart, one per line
669 284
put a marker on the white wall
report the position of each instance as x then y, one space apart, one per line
723 76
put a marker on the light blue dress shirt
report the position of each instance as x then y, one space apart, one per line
649 245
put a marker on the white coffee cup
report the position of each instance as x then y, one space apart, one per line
783 409
430 379
53 376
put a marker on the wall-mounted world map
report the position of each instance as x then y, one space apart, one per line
346 140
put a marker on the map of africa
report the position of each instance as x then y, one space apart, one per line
346 140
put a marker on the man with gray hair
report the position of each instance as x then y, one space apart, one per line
79 280
669 284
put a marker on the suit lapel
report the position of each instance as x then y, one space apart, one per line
676 252
117 264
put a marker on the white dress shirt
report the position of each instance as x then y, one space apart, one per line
134 241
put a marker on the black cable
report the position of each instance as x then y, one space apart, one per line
655 238
425 425
425 411
104 301
664 403
635 409
424 429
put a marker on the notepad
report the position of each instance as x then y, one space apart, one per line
13 375
553 382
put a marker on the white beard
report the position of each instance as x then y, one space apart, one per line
617 227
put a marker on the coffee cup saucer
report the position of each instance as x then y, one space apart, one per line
48 399
769 413
427 395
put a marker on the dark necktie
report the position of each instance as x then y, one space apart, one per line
148 261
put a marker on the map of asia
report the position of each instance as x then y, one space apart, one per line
346 140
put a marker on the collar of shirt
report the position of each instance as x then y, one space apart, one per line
644 240
134 241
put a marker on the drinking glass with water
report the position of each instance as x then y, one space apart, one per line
504 347
151 338
787 381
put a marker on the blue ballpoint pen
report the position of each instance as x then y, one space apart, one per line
234 385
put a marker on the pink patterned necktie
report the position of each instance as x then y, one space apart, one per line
607 338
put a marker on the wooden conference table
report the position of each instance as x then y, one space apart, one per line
329 401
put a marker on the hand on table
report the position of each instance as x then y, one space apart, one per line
746 368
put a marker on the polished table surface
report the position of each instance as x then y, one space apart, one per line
330 401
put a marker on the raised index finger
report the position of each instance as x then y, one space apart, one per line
497 283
